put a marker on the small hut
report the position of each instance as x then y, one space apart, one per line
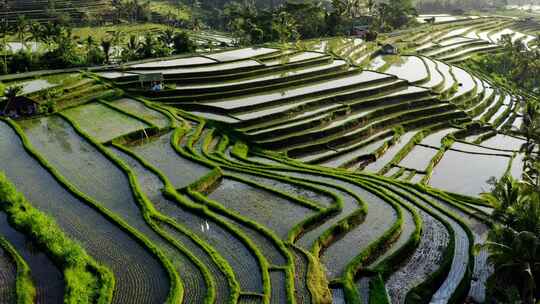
388 49
19 106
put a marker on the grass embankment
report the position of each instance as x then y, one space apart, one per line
434 280
316 281
176 291
86 280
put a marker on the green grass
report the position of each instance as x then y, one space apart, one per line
102 122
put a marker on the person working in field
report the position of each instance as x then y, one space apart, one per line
156 86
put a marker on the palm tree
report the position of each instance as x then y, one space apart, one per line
167 37
506 194
147 46
20 27
4 32
36 31
106 47
530 128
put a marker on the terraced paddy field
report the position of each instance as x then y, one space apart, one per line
269 175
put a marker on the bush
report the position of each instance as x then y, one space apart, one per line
22 62
182 43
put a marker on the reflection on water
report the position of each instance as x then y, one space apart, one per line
467 173
52 128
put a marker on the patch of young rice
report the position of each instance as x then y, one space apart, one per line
192 278
8 270
140 278
158 151
482 269
8 274
264 207
460 260
102 122
250 299
139 109
240 258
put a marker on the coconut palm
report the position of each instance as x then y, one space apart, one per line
36 31
530 128
147 46
20 27
167 37
506 194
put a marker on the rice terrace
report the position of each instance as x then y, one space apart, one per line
278 152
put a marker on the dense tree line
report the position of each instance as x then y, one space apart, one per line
515 63
252 24
60 49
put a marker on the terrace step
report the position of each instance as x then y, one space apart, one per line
355 126
339 118
355 136
261 81
359 84
284 82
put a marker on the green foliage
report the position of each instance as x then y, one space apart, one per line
85 279
393 15
514 244
514 63
377 291
182 43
